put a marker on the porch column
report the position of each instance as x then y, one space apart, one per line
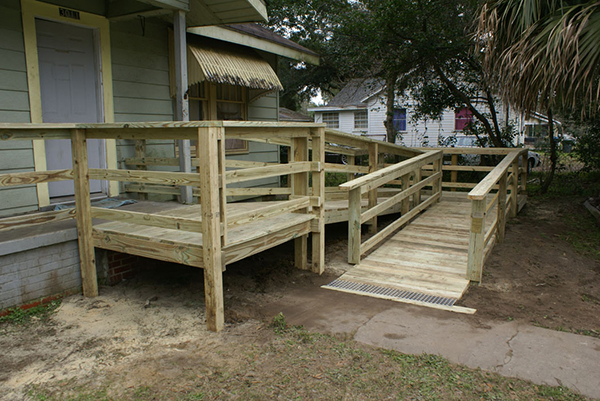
181 98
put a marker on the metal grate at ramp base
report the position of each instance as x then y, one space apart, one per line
389 293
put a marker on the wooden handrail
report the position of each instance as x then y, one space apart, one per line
503 179
254 173
469 151
343 138
485 186
390 173
410 187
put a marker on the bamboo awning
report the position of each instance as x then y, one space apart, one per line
242 67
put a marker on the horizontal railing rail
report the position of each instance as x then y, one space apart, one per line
412 183
210 183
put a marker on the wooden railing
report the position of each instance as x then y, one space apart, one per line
408 175
210 184
504 177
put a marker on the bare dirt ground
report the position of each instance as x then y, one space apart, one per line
145 338
547 272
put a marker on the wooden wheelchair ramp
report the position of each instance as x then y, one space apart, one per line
424 264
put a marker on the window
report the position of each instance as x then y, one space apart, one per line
332 120
228 102
400 119
462 118
361 119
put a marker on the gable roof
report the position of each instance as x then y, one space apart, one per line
357 92
290 115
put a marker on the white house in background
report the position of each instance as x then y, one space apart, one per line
359 108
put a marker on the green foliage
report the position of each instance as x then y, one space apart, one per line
279 324
23 316
587 147
421 47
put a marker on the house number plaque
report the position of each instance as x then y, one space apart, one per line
65 12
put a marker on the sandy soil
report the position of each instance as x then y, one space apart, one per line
151 329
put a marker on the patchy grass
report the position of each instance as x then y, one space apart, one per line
292 363
24 316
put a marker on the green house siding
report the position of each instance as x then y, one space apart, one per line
15 156
140 69
264 108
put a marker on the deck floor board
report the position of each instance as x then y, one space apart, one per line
428 256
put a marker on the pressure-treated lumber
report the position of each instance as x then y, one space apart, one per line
386 232
149 177
147 219
140 152
268 171
502 208
354 235
454 172
318 193
383 176
146 246
400 196
343 138
476 240
346 168
81 180
35 177
208 155
35 219
245 217
222 185
299 180
372 194
514 187
470 151
485 185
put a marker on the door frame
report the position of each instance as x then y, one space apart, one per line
30 10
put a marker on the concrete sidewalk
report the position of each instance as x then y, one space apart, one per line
510 349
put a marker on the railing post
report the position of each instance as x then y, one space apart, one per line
476 240
417 179
140 152
514 188
351 162
405 206
437 184
223 186
454 173
318 191
502 207
373 166
354 235
208 159
81 180
299 152
525 167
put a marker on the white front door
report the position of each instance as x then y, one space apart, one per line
69 82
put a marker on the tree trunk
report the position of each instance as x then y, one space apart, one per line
553 155
389 104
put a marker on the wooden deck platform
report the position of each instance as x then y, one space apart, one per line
425 263
185 247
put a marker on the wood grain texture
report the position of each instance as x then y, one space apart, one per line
36 177
35 219
318 194
208 154
81 179
299 180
